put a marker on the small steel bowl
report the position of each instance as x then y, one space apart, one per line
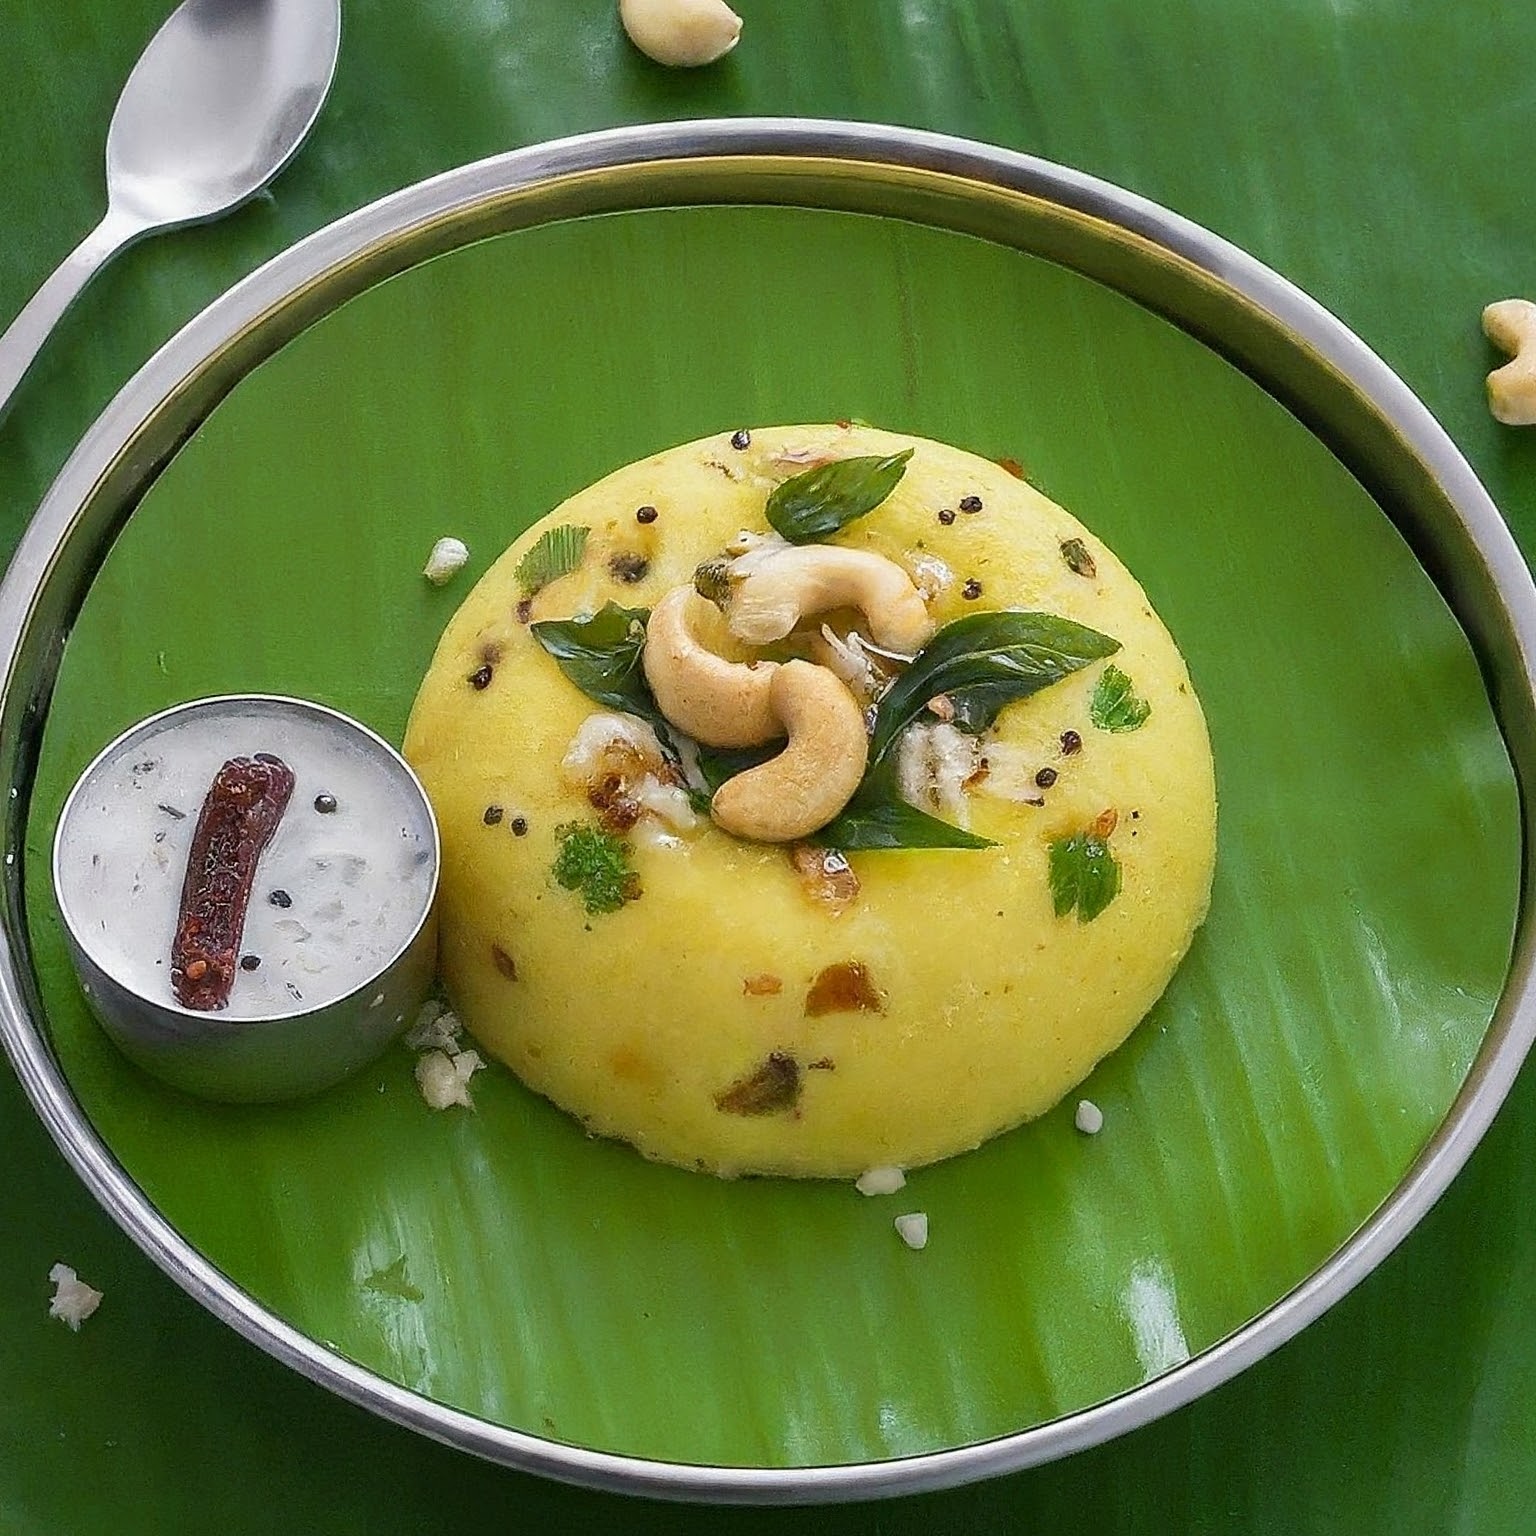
273 1056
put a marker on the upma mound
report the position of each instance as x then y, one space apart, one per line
897 819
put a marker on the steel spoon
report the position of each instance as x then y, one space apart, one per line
217 105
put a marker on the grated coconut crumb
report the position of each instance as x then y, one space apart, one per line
448 558
73 1300
436 1029
880 1181
444 1079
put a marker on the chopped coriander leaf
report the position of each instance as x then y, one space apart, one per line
1115 705
1084 875
557 553
595 864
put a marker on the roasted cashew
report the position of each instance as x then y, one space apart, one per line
718 702
814 777
773 590
1511 324
681 32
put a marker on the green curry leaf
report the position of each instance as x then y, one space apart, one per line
717 764
818 503
877 817
982 662
602 656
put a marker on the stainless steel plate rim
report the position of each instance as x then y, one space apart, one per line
454 192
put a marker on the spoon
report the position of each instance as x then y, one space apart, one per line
217 105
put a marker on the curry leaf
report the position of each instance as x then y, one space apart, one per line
982 662
601 655
1115 705
822 500
877 817
556 553
1084 875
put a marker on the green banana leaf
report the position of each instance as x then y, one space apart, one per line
504 1263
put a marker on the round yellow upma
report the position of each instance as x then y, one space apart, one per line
745 1006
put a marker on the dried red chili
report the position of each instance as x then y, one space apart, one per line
240 813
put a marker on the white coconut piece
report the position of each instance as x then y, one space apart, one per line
448 558
880 1181
73 1300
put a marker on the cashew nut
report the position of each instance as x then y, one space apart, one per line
779 587
681 32
814 777
721 703
1511 324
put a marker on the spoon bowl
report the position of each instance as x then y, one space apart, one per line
215 107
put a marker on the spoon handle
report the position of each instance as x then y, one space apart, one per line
25 335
